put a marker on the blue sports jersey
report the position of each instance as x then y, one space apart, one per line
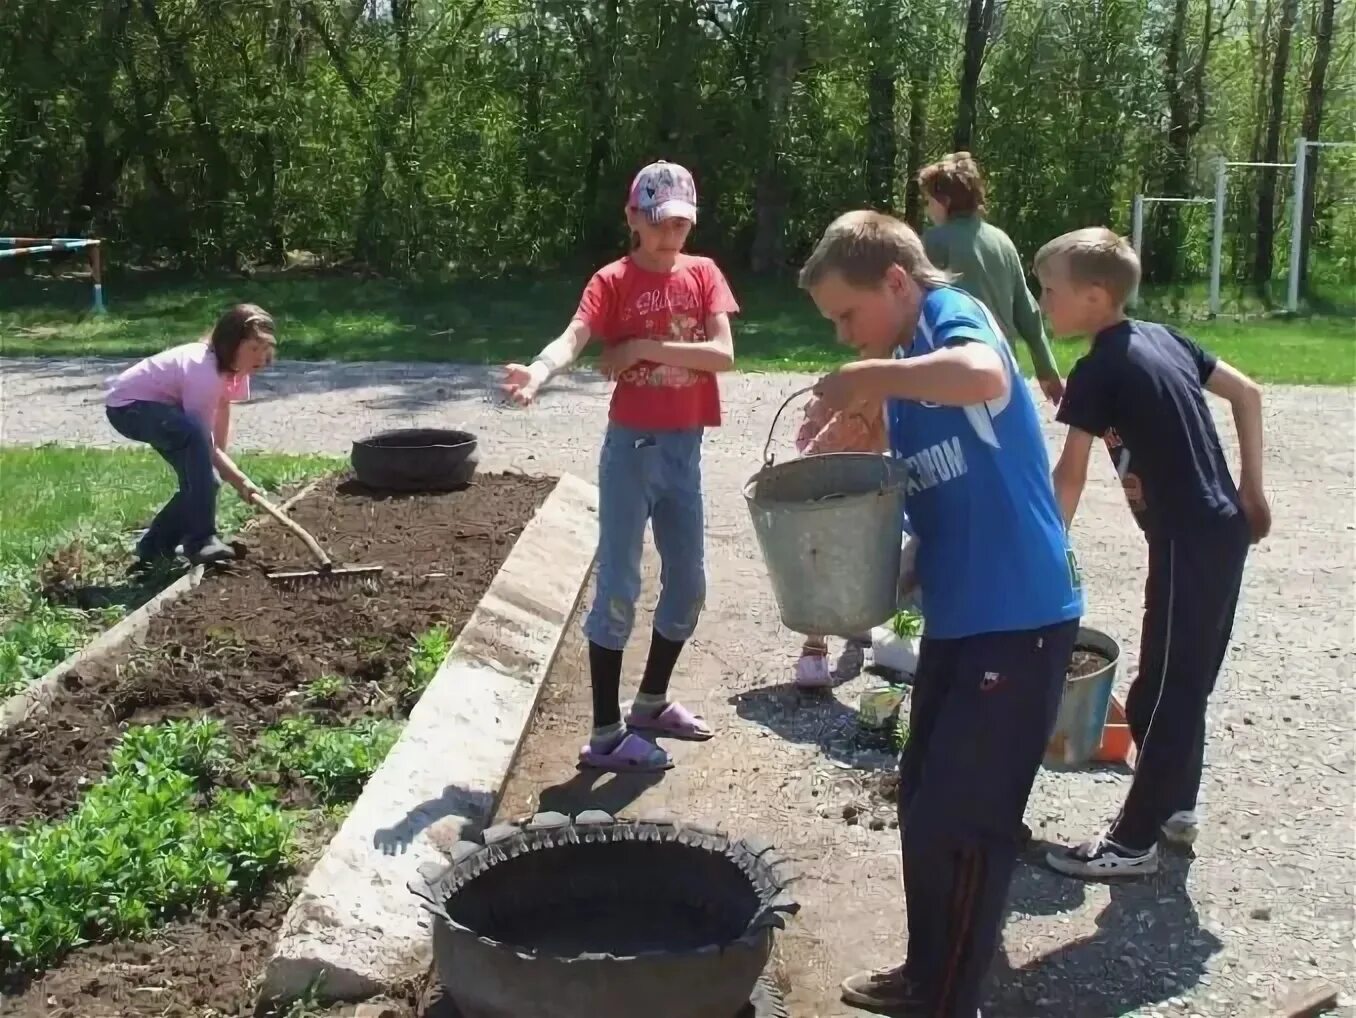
993 555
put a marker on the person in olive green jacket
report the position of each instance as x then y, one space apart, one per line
984 259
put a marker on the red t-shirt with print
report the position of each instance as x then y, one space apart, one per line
623 302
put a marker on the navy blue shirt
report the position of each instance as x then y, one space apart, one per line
1141 388
993 555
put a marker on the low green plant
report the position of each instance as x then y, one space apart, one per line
41 638
429 650
143 845
906 624
899 733
333 761
325 689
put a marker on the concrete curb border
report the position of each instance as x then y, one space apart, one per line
355 928
48 687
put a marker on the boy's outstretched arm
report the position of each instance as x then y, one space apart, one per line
521 382
1245 396
1071 472
961 374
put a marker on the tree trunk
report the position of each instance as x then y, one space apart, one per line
919 83
1266 191
1185 91
218 170
769 189
882 149
1311 125
978 23
597 228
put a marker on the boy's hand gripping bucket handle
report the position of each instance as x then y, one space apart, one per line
768 457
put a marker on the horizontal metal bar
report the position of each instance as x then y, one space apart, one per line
1330 144
71 242
14 252
1178 201
1279 166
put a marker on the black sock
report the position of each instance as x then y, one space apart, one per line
605 673
659 665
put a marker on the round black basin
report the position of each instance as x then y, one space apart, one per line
416 459
597 917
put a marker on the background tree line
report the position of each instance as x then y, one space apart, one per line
472 136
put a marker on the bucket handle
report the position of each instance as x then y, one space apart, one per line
768 457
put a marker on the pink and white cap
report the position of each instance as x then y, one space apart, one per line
664 190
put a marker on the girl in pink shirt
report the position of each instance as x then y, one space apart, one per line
179 403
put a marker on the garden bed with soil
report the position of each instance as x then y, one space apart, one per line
224 746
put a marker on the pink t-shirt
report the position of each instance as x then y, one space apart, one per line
184 376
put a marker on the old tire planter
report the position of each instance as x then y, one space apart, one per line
416 459
596 917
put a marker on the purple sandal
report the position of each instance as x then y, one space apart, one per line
631 754
675 722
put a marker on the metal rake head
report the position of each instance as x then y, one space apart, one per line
352 578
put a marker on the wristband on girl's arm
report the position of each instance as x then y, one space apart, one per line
551 364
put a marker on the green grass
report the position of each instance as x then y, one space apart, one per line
66 516
331 318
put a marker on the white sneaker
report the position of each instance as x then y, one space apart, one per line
1102 858
812 672
1182 828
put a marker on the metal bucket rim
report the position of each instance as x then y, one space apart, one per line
1086 639
892 483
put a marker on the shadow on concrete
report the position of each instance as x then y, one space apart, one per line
454 801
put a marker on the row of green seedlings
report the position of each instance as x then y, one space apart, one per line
179 823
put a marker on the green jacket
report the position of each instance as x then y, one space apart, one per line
985 259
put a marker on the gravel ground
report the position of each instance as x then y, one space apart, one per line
1267 903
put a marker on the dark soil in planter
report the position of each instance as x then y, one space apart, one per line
1086 662
241 650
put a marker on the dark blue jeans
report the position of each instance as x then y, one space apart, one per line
190 517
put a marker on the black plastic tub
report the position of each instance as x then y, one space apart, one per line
416 459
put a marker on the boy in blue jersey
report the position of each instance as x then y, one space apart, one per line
1141 389
998 589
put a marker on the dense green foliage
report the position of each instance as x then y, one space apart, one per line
428 136
141 846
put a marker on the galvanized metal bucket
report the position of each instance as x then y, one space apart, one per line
829 530
1084 706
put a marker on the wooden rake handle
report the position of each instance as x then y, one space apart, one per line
293 526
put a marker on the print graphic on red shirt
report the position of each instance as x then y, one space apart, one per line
623 302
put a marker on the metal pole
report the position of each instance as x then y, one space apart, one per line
1137 240
96 271
1217 234
1297 226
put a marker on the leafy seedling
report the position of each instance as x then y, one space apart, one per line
430 649
325 689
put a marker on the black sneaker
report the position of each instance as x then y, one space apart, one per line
1102 858
884 991
211 553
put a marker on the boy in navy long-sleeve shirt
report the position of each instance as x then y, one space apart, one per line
1141 389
